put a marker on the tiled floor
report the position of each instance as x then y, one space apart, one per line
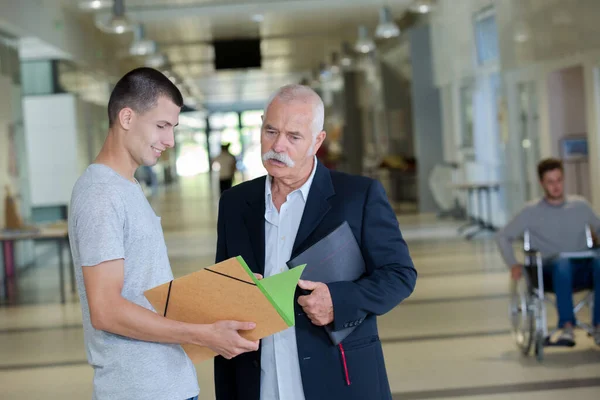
451 339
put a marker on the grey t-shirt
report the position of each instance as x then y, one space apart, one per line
553 228
110 219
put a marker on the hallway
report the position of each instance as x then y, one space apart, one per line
450 339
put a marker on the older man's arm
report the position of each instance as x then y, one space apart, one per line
392 275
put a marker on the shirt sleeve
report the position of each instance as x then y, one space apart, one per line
99 226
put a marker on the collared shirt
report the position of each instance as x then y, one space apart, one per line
280 368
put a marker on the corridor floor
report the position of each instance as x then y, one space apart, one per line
449 340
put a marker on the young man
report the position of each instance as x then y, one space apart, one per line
272 219
556 224
119 252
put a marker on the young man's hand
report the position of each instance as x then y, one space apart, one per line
223 338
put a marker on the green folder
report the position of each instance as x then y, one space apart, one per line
279 289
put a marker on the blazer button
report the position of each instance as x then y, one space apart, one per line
255 363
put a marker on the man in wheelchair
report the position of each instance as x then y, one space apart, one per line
557 224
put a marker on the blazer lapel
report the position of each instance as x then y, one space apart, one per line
317 206
254 218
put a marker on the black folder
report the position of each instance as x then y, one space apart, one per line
336 257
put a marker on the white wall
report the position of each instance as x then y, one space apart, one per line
53 146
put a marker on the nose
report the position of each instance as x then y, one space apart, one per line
279 145
169 139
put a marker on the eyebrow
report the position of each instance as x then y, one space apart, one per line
167 123
268 126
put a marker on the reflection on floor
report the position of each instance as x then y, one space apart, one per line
451 339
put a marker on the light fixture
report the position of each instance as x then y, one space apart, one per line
156 61
94 5
258 18
118 23
387 28
347 52
521 32
140 45
335 63
364 44
423 6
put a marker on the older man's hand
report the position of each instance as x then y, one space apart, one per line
318 306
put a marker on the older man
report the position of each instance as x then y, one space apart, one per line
270 220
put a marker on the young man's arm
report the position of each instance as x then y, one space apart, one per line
506 236
99 218
593 219
111 312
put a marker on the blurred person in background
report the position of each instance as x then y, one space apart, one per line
227 167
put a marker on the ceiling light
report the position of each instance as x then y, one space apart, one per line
118 23
347 52
423 6
335 63
387 28
140 45
94 5
521 37
156 61
521 32
364 44
258 18
142 48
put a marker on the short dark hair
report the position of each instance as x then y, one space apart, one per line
139 90
547 165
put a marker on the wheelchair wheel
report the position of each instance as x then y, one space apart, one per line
522 315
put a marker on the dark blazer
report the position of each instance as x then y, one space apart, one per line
334 197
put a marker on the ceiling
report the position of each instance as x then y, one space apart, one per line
296 37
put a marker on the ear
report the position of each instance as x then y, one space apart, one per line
125 118
319 140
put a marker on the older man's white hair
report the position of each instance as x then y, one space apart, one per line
305 94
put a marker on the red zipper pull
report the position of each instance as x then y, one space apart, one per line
345 364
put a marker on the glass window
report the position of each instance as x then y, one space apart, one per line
224 120
252 118
192 155
252 161
232 136
486 37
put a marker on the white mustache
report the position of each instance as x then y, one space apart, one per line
282 157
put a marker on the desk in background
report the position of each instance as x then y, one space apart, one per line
57 233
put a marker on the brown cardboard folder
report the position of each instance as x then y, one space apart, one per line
228 291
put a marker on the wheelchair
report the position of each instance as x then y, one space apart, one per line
528 300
